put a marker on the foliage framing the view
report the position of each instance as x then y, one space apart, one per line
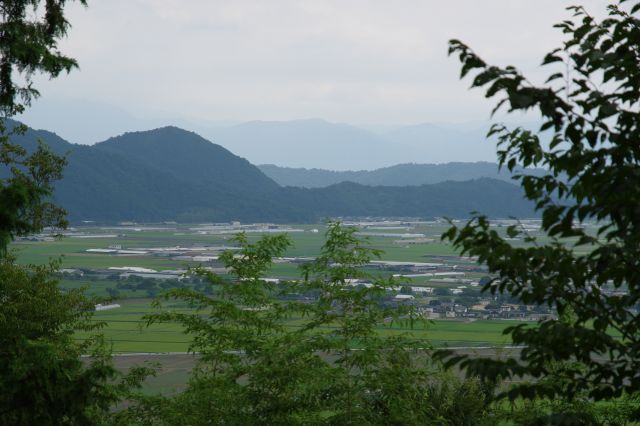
29 35
43 379
591 106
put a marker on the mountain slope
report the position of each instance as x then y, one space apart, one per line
453 199
171 174
105 186
398 175
188 157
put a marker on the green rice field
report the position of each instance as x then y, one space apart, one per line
134 342
126 329
128 333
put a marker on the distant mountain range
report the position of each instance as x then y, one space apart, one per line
310 143
173 174
321 144
398 175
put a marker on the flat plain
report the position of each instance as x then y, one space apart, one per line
127 330
87 253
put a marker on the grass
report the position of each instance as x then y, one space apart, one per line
97 288
124 326
127 331
74 255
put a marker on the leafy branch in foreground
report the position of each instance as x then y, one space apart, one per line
266 359
593 160
43 379
26 190
29 35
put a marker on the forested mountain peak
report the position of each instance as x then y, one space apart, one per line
174 174
190 157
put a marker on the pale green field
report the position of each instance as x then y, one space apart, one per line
74 255
127 331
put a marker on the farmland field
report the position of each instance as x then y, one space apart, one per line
165 345
127 330
93 248
74 255
97 259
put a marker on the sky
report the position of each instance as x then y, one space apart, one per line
365 62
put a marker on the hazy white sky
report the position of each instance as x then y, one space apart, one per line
356 61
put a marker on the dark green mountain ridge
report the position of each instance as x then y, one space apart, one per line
409 174
173 174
